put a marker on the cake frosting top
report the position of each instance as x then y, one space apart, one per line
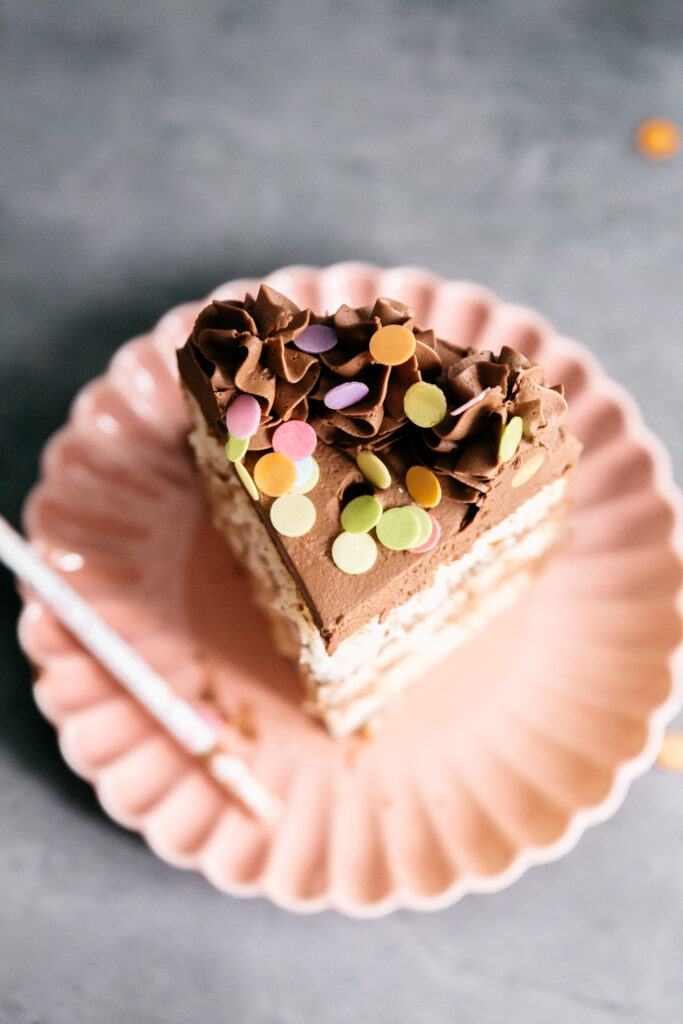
250 346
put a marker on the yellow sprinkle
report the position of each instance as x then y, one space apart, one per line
354 553
247 482
423 486
670 757
657 138
275 474
527 470
392 345
424 404
373 469
292 515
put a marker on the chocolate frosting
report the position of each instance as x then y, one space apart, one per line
248 346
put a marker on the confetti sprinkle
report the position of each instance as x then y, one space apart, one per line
361 514
296 439
423 486
243 416
354 553
315 339
307 485
473 401
399 528
344 395
373 469
304 468
247 482
275 474
236 448
292 515
424 404
425 525
670 757
392 345
527 470
657 138
432 541
510 438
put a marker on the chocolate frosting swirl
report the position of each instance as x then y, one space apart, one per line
248 347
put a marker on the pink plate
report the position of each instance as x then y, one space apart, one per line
497 761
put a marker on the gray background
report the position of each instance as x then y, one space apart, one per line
153 149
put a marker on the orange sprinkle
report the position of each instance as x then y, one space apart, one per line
670 757
657 138
392 345
275 474
423 486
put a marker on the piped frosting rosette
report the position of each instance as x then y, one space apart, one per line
378 419
485 392
246 347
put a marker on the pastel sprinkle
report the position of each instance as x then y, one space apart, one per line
527 470
346 394
361 514
247 482
432 541
275 474
304 469
425 525
423 486
373 469
236 447
399 528
292 515
315 339
354 553
392 345
424 404
312 481
473 401
510 438
243 416
296 439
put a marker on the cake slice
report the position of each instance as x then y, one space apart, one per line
386 491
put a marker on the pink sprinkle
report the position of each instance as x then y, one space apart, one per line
472 401
315 339
346 394
432 541
295 439
243 416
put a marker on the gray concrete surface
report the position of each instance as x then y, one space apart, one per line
153 149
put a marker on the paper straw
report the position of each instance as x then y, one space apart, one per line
176 715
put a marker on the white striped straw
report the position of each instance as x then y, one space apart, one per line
175 714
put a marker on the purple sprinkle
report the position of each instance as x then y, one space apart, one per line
316 339
472 401
346 394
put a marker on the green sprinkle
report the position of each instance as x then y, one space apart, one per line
424 404
510 438
361 514
425 525
236 448
399 528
